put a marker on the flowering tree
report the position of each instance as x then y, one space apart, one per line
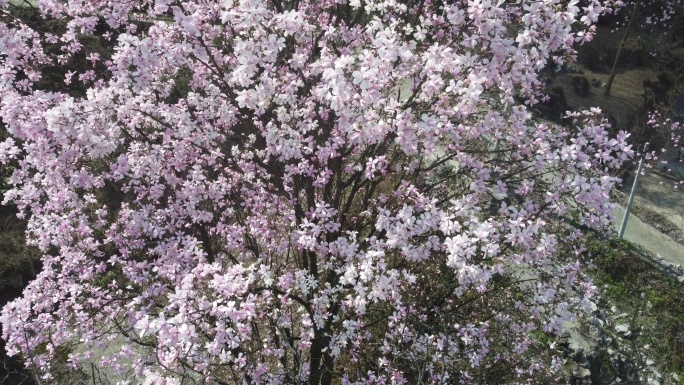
285 192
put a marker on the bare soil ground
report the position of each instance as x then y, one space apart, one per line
627 93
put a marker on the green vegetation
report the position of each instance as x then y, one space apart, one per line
653 300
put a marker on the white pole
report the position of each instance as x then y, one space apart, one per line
632 193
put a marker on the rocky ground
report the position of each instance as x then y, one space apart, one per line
635 335
628 339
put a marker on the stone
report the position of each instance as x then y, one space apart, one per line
581 86
583 373
621 315
580 358
623 330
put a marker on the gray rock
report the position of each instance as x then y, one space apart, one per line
623 330
621 315
580 358
583 373
580 85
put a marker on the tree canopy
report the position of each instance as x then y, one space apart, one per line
299 192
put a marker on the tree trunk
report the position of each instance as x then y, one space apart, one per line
632 17
320 362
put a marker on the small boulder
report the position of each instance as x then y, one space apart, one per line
580 358
581 86
623 330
